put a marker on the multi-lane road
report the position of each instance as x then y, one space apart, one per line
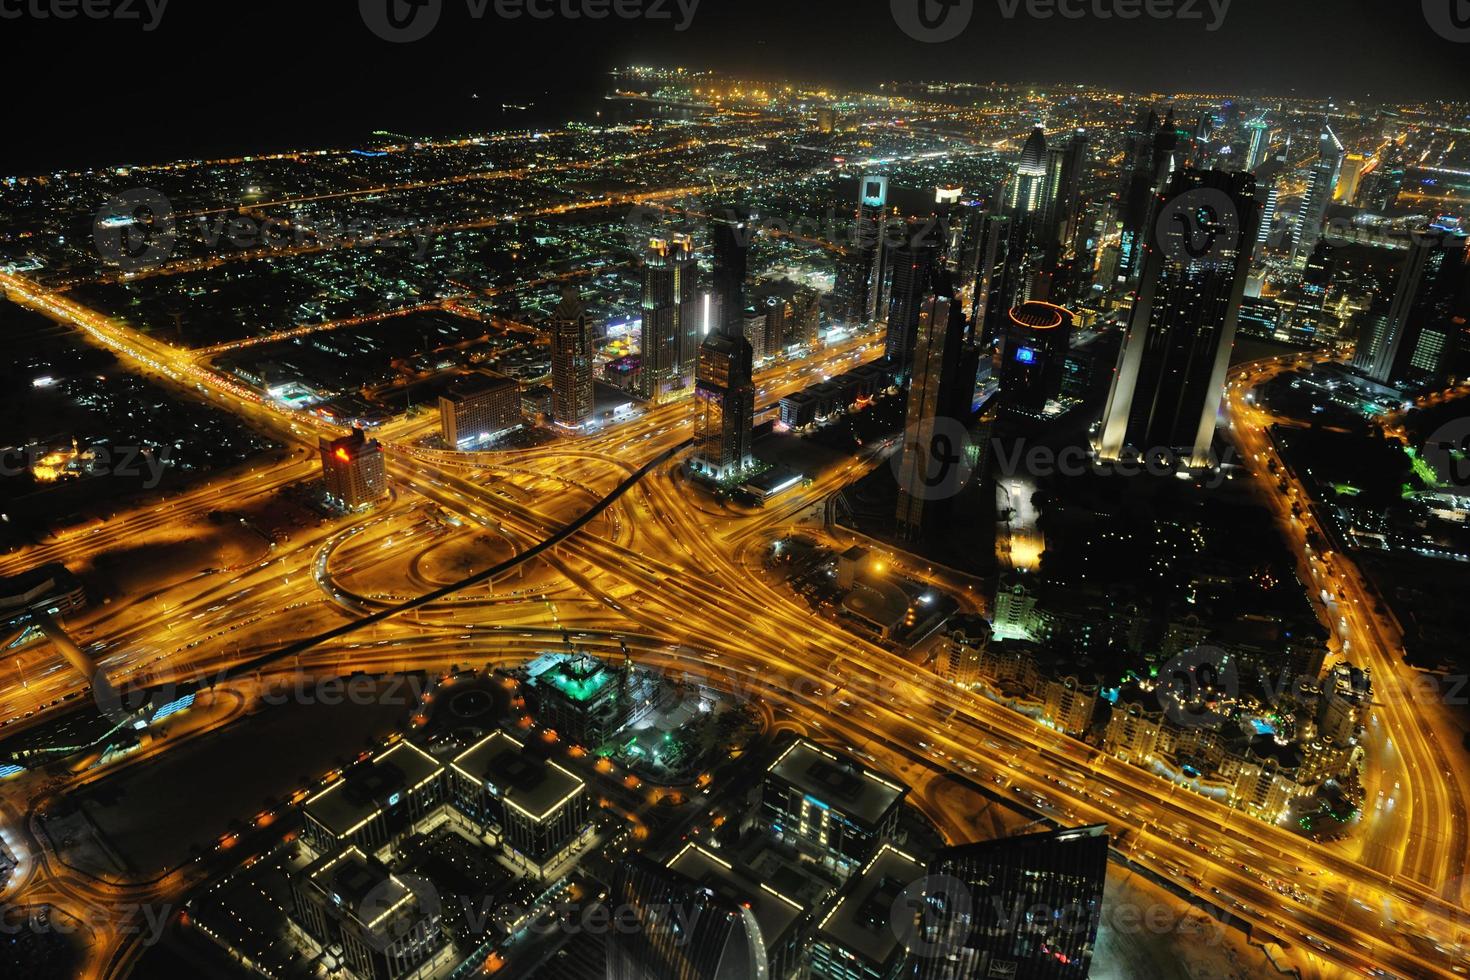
656 568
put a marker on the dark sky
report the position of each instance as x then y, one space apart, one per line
219 75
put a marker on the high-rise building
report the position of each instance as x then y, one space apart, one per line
1062 195
829 805
942 388
777 326
571 360
990 281
1170 378
913 265
1353 166
479 408
1274 232
872 218
538 807
1034 356
1026 193
1380 189
670 306
354 471
949 224
806 318
1025 907
851 288
1409 337
377 923
856 939
1260 131
730 231
1149 164
684 930
1321 183
724 389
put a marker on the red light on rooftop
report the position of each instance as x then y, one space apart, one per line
342 455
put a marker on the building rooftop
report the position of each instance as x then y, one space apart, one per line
837 782
366 790
23 590
774 912
862 920
534 786
578 677
361 886
477 384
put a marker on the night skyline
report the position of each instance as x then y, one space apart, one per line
319 78
902 490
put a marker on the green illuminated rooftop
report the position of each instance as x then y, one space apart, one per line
580 678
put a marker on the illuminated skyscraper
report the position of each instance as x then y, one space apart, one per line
1149 164
1171 370
990 295
871 231
671 331
1260 131
725 399
684 930
353 470
942 388
1034 355
913 265
1024 907
1347 182
1062 195
1409 337
730 231
571 360
1321 183
1026 194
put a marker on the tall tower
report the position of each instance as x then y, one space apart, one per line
1321 183
913 265
942 388
1026 195
730 231
1171 371
670 316
1034 356
684 930
1062 195
871 230
987 926
1260 131
724 388
1409 337
571 361
354 471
